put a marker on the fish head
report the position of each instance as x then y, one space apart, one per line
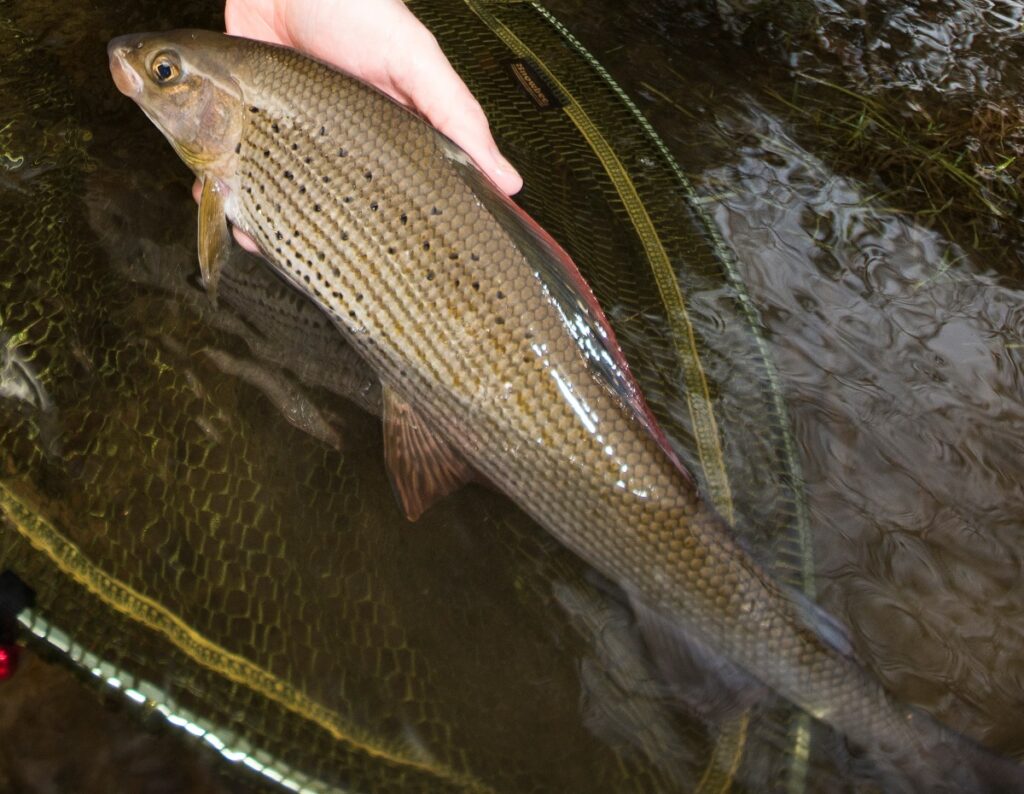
189 84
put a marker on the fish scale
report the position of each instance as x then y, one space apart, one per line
476 350
469 315
440 347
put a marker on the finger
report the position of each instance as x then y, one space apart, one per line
467 126
253 19
439 94
245 240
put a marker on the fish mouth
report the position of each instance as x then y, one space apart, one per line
125 77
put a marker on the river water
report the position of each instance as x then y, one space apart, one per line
890 295
898 340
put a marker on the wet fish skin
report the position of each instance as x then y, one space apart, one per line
470 316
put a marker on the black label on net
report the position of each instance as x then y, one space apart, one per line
530 80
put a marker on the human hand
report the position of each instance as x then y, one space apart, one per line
382 43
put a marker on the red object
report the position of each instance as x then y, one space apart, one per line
8 661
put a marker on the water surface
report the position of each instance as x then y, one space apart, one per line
898 344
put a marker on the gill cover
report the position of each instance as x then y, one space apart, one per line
185 82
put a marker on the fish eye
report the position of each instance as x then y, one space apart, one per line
165 68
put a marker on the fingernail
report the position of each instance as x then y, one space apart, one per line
503 165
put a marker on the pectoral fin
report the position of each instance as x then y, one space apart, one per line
423 467
214 237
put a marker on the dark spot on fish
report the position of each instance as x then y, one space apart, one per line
391 250
426 246
476 285
336 272
344 236
528 335
259 208
453 256
278 249
499 295
274 127
351 314
321 255
289 175
248 190
277 206
435 211
279 236
474 257
368 175
374 206
266 152
305 277
347 199
307 159
254 109
359 297
325 179
263 189
238 147
323 130
458 283
430 275
316 208
302 189
342 152
295 146
403 218
499 320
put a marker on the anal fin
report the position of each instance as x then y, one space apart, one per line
423 467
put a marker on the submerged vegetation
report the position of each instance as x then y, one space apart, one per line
921 100
954 166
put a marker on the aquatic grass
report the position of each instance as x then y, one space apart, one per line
953 166
683 111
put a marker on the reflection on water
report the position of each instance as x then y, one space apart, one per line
905 373
899 349
949 48
922 100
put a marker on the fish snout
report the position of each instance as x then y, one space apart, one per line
126 78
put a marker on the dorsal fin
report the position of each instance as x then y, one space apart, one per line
582 314
423 467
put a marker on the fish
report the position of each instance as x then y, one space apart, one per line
497 364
